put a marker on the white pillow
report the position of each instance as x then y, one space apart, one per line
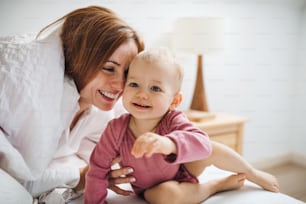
31 87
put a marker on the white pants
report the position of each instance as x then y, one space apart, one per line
12 192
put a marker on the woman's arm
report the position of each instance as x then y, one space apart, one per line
52 178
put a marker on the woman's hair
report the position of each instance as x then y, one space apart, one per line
90 36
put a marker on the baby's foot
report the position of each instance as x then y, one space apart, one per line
231 182
265 180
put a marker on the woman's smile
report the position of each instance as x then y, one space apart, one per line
108 96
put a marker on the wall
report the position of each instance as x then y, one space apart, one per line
299 87
261 74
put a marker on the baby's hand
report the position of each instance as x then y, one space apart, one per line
151 143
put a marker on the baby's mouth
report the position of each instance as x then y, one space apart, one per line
141 106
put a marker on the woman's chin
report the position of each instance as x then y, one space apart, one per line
105 107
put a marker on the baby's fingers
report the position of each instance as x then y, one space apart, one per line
137 150
143 146
151 149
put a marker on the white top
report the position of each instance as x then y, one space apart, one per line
75 146
37 106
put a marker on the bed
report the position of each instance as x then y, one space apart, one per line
249 193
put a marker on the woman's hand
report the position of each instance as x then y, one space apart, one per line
120 176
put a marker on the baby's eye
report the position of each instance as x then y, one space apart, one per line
133 84
155 89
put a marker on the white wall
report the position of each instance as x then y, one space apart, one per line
261 74
299 107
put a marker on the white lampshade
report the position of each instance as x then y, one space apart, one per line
203 35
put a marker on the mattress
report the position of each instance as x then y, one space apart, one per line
249 193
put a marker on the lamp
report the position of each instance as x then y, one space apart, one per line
200 35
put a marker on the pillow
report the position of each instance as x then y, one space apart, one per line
31 87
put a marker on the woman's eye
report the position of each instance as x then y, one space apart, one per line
155 89
133 84
108 69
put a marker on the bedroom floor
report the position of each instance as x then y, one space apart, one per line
292 179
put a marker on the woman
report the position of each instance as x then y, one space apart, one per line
97 47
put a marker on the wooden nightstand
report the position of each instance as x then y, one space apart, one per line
221 127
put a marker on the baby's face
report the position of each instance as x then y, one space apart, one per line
149 90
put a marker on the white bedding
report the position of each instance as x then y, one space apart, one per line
250 193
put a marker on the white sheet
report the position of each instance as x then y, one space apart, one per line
250 193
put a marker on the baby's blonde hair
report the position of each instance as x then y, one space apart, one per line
162 56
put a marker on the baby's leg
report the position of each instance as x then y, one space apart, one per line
225 158
185 192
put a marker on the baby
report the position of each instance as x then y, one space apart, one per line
158 141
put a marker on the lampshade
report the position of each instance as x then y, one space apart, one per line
203 35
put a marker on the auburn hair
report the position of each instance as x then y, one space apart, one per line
90 36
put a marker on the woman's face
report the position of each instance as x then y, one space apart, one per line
106 88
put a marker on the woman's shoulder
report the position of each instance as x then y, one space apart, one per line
99 116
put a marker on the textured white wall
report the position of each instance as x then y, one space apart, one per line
299 107
261 75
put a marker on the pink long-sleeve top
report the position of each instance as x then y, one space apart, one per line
191 143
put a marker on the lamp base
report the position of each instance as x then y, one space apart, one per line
199 99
